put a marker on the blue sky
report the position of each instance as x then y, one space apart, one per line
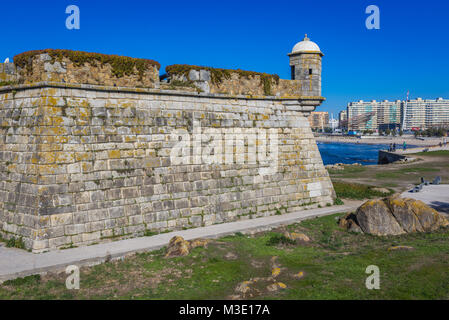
409 52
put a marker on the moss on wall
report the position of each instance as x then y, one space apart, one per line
218 75
120 65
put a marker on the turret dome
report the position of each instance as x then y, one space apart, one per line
306 46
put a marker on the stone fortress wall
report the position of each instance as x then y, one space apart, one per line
85 158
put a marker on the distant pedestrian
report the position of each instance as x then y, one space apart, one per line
394 147
390 148
404 146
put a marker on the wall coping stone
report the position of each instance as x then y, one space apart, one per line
303 100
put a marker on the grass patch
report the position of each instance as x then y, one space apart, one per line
333 263
26 281
357 191
278 239
404 171
348 170
338 202
15 243
440 153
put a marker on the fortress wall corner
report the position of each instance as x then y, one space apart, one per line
84 164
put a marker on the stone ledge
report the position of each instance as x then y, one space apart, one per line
305 100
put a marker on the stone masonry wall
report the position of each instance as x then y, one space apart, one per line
310 83
84 164
44 67
8 74
239 85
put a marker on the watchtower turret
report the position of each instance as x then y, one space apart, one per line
305 64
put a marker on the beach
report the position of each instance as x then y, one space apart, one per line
409 140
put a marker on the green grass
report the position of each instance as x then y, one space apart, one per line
26 281
357 191
440 153
14 242
333 263
278 239
348 171
404 171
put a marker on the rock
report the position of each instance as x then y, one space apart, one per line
274 263
178 247
396 248
393 216
256 264
275 272
230 256
348 222
194 75
401 211
354 227
381 190
343 222
243 287
205 75
430 219
199 243
282 285
276 286
374 217
297 236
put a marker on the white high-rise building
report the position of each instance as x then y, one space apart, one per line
419 114
422 114
372 115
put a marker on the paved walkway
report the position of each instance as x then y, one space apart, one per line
20 263
436 197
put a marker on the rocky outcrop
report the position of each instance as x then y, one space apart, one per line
342 166
297 236
394 216
179 247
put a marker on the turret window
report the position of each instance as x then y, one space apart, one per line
293 72
310 71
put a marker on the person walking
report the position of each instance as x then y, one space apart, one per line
404 146
394 147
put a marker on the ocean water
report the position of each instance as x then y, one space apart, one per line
334 152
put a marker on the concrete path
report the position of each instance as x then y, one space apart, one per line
436 197
16 263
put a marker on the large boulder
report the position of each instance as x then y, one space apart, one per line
374 217
429 218
394 216
179 247
403 212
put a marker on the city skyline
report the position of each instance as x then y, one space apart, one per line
406 54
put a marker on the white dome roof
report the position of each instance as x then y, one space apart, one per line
306 46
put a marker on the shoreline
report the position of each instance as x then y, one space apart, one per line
428 142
